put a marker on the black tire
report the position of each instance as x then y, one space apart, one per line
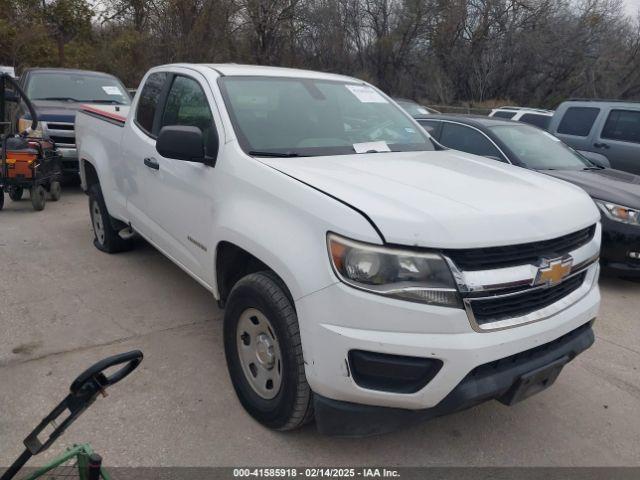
1 198
15 193
55 191
105 237
292 406
38 197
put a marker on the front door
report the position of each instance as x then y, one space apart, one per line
180 194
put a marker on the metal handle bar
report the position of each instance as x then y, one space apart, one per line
83 392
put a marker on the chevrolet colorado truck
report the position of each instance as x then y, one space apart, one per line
370 277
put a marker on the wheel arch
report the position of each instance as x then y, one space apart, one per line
232 263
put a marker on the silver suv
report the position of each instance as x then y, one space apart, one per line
607 127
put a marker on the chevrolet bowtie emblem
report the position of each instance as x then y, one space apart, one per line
553 271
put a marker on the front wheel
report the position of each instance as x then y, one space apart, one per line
264 353
55 190
105 237
38 197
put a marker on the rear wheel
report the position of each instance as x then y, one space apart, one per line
106 237
15 193
55 190
264 353
38 197
1 198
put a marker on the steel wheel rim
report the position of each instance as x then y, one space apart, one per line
98 223
259 353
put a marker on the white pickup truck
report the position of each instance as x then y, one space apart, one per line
369 276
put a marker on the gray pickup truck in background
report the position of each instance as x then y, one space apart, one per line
57 94
607 128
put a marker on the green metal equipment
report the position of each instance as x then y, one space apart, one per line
79 461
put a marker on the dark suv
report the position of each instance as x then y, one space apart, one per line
57 94
616 193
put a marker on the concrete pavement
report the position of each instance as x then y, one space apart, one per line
65 305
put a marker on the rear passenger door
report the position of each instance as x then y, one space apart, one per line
139 143
619 139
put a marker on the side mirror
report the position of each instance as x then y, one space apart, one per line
597 158
182 142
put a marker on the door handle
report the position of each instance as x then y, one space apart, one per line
601 145
152 163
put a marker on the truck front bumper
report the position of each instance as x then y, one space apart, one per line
496 380
339 320
69 161
619 242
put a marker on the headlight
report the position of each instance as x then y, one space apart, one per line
403 274
25 124
619 213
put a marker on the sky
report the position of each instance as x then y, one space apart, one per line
632 6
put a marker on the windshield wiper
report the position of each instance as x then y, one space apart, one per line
110 102
257 153
59 99
595 167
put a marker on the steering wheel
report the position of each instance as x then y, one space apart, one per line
376 131
96 374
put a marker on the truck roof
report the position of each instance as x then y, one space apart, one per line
66 70
234 69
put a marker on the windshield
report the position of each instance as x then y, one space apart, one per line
76 87
413 109
304 117
539 150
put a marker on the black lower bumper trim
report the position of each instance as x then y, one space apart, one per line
489 381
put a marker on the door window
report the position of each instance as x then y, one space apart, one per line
541 121
430 126
188 105
465 139
623 125
578 121
504 114
148 102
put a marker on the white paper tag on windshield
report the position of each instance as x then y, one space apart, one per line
423 111
109 90
371 147
366 94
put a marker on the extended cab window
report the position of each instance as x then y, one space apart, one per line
623 125
188 105
578 121
148 102
465 139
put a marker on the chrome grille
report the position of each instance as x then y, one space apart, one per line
500 257
63 134
490 309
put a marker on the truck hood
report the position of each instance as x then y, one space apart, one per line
447 199
55 111
608 184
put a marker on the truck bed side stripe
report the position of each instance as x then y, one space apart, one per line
101 114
